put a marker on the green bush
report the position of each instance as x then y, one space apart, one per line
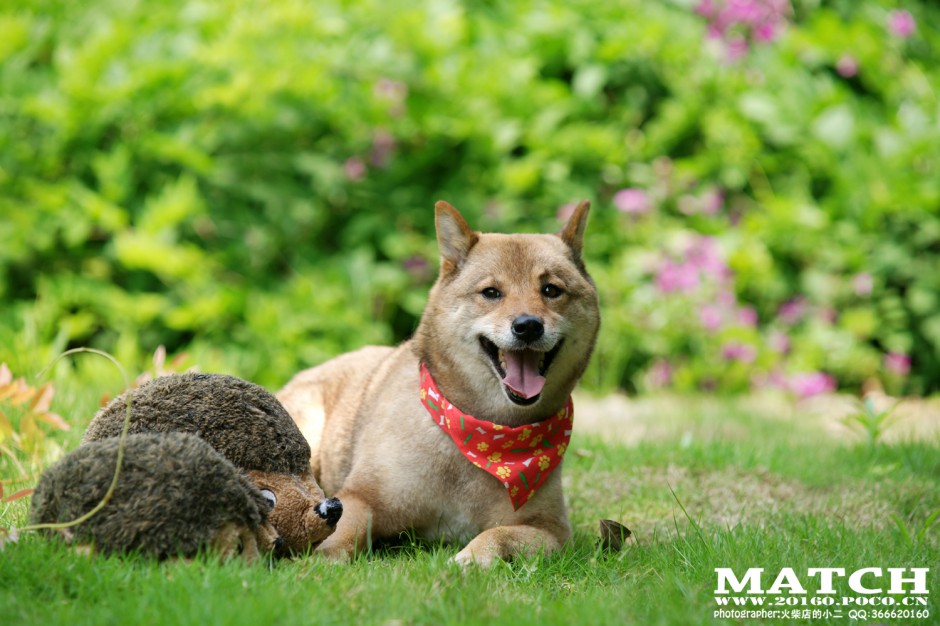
254 181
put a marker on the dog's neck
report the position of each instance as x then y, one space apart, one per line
521 457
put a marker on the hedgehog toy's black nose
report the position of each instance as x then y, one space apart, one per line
330 510
527 328
279 549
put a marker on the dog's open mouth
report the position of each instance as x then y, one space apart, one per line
523 371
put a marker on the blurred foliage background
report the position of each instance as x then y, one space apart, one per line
252 183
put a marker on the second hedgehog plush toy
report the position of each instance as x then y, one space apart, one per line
174 496
246 425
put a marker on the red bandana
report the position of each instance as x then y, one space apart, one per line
521 458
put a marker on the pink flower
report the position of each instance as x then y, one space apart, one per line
712 201
391 90
632 201
740 22
416 265
747 316
898 364
708 203
806 384
863 283
828 315
710 317
779 342
660 374
703 255
705 8
394 92
792 311
771 380
901 24
847 66
663 168
672 276
766 31
383 144
564 211
702 261
735 351
737 49
354 168
726 298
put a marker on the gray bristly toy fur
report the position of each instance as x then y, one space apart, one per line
241 420
174 495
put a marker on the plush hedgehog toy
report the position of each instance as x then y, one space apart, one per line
246 425
175 495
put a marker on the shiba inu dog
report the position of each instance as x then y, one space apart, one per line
456 432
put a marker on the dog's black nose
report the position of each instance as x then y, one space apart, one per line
330 510
528 328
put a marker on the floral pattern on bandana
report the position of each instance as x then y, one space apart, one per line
521 458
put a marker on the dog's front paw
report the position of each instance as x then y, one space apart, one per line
480 558
334 551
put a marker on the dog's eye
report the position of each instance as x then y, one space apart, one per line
491 293
268 495
551 291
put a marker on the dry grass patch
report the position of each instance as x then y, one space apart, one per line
660 417
640 498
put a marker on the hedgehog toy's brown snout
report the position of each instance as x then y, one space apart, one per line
301 514
330 510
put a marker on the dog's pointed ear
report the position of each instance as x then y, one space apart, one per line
454 237
573 232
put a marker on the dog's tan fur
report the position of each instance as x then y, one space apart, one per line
377 449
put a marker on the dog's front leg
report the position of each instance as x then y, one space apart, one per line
354 530
505 542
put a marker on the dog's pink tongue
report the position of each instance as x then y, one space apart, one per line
522 372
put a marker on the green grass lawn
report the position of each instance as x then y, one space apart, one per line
772 496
